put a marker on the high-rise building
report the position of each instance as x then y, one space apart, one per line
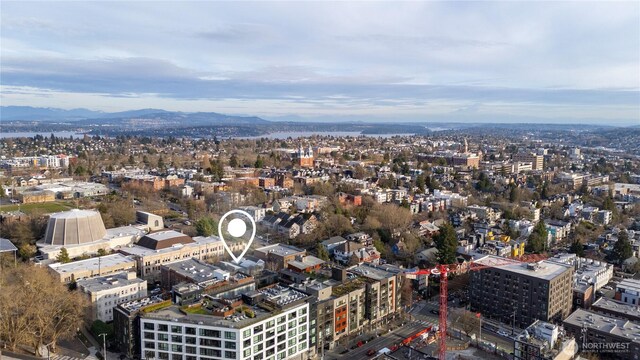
528 291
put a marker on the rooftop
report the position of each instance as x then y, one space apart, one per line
604 323
94 264
621 309
138 250
629 284
135 305
372 272
546 270
280 249
164 239
101 283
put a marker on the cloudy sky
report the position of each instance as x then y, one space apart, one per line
575 62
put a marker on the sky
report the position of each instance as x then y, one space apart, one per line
570 62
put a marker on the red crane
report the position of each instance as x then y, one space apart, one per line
442 270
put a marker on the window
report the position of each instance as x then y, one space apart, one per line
292 324
176 329
292 315
292 350
176 338
282 319
176 348
282 355
210 352
257 329
163 346
210 343
149 326
163 355
230 354
246 333
258 348
271 324
229 335
163 327
149 345
190 340
247 343
149 335
190 350
246 353
163 337
190 331
229 345
176 357
210 333
258 338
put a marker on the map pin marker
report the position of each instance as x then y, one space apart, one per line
237 228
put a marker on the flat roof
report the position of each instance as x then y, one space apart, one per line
138 250
618 307
604 323
629 284
306 262
101 283
546 270
93 263
279 249
194 270
372 272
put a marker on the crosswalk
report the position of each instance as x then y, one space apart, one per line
66 357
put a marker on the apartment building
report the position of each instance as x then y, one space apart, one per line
107 292
537 161
536 291
103 265
628 291
274 326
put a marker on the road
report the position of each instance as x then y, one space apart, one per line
423 312
386 340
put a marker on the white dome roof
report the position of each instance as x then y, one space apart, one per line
74 227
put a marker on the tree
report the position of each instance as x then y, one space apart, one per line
63 256
537 241
233 161
37 309
259 164
622 249
577 248
447 243
206 226
102 252
322 252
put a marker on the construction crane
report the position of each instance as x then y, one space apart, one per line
442 270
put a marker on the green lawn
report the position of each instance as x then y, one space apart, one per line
195 310
49 207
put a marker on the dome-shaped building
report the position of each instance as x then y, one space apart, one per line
74 227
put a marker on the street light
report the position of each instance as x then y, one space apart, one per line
104 345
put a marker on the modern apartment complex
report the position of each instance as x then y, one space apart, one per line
537 291
273 325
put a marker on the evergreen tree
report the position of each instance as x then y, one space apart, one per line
233 161
63 257
447 243
577 248
259 163
622 249
206 226
322 252
537 241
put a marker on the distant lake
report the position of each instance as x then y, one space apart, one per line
61 134
299 134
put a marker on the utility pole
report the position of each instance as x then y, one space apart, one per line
104 345
513 324
480 331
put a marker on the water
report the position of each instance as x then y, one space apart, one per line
61 134
299 134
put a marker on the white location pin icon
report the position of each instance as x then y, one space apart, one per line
237 228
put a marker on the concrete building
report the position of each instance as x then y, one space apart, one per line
98 266
192 271
82 232
274 325
537 161
107 292
536 291
278 254
164 247
126 324
628 291
587 271
616 309
544 341
604 335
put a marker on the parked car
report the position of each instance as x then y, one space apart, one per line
503 333
371 352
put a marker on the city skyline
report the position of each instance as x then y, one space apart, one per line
410 61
